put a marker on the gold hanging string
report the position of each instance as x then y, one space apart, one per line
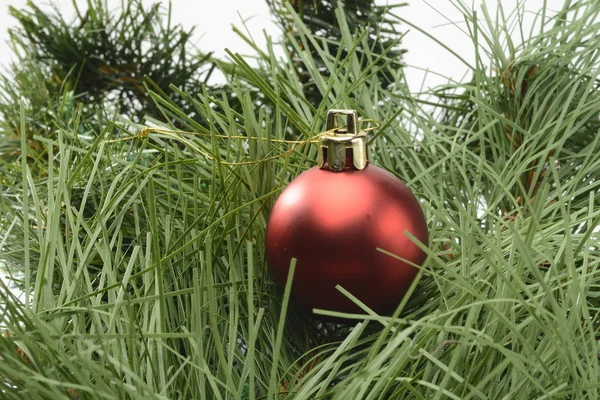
146 131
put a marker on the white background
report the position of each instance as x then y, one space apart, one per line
213 21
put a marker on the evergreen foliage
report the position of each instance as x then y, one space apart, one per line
320 17
142 263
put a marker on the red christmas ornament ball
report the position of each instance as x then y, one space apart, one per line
333 223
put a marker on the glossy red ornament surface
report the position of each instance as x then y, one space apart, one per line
333 223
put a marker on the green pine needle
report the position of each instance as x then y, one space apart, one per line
143 263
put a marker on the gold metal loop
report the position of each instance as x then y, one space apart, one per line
351 126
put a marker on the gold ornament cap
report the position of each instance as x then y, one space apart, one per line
342 145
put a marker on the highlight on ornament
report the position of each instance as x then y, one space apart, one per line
335 219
